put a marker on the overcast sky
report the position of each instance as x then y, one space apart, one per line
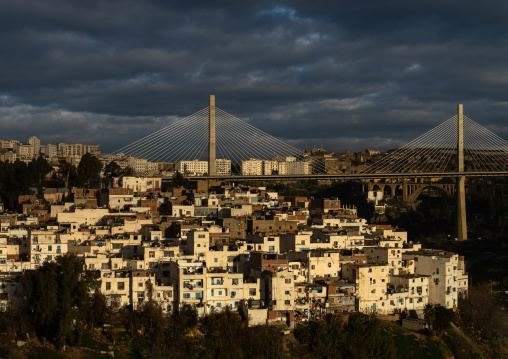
347 75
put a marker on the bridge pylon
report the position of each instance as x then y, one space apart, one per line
461 179
212 169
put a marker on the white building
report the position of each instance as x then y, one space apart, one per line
35 146
200 168
270 167
447 275
78 149
252 167
45 245
223 167
192 168
298 168
140 184
139 165
51 151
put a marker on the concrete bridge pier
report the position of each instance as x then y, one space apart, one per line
461 179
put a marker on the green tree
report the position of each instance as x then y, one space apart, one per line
100 309
361 336
67 173
57 296
14 181
113 169
443 320
128 171
37 170
189 315
429 314
89 167
179 180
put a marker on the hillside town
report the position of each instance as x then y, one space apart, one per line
273 258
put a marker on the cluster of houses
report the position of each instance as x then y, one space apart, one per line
314 161
246 249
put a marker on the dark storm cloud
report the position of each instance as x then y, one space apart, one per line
345 75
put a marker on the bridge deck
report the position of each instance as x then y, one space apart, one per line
348 176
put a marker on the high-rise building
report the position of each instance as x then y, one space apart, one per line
252 167
35 146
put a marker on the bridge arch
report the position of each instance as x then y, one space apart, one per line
444 188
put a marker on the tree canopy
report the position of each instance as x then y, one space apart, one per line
89 167
113 169
179 180
57 295
17 178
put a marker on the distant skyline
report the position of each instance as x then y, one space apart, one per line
346 75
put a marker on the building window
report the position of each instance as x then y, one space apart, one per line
108 285
215 260
252 291
218 305
121 285
50 248
287 292
287 302
313 267
186 295
288 281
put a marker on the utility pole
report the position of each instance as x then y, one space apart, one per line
461 179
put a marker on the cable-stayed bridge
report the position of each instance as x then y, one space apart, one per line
457 148
198 137
221 135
